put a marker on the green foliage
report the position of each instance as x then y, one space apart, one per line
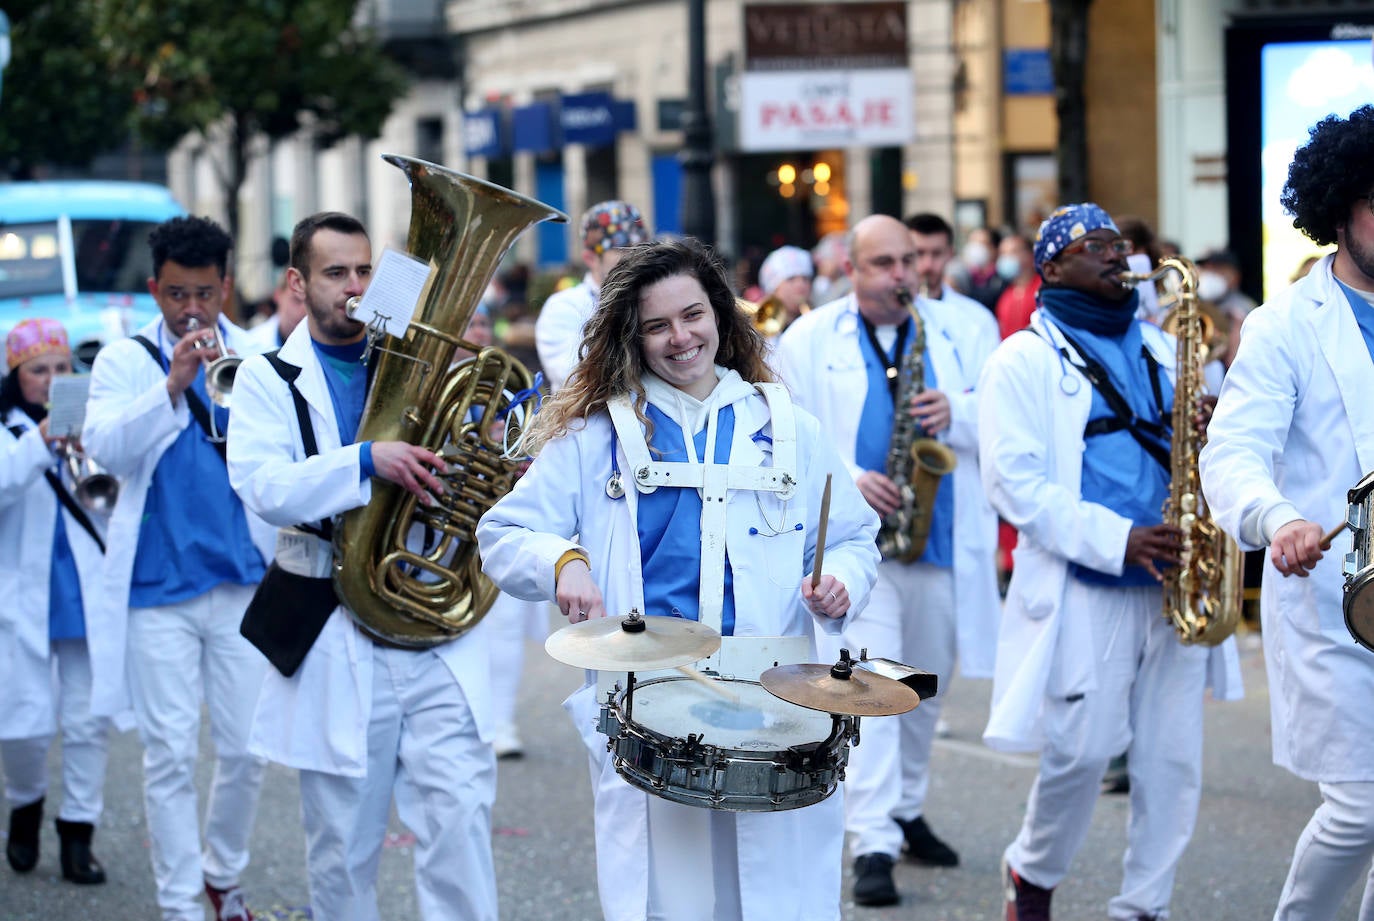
59 105
263 64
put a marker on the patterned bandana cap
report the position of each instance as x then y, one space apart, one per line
1066 224
31 338
782 264
612 225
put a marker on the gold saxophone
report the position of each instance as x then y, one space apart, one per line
915 462
1202 594
422 597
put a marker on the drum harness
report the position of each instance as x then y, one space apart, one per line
713 481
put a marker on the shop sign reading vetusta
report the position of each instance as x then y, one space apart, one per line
820 75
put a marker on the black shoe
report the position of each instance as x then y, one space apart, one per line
1024 900
22 849
78 863
1118 777
923 847
873 883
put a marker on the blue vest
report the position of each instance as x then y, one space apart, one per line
669 526
1364 314
194 533
1117 472
875 435
66 614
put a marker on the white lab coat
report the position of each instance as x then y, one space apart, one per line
1292 432
558 329
820 358
1032 466
564 494
317 719
130 422
27 517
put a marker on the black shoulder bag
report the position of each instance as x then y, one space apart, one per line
288 611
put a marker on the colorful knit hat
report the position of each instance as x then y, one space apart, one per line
612 225
784 263
31 338
1066 224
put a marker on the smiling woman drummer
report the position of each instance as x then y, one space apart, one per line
672 379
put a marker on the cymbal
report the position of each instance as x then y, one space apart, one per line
632 642
817 687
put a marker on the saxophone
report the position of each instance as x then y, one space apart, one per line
1202 594
915 462
408 573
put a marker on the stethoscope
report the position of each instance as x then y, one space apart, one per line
1069 384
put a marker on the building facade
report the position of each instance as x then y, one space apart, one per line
822 113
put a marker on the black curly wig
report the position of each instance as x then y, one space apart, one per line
1332 171
195 242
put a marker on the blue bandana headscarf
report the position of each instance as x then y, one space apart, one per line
1066 224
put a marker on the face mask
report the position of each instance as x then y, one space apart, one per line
976 255
1211 286
1008 267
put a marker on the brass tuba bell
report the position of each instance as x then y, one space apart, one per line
410 573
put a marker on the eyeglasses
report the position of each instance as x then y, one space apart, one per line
1095 247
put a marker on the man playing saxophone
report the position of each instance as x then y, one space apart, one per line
1075 439
846 362
363 720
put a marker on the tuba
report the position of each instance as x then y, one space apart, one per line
1202 594
915 462
409 573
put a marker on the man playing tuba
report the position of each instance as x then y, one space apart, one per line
361 718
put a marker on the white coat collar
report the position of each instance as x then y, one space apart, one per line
1318 298
299 351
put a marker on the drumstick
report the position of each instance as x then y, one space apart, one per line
820 535
1333 534
715 686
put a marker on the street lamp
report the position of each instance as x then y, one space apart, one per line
698 200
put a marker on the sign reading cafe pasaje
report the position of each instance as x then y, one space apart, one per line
831 74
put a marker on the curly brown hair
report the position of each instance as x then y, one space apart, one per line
1331 172
611 358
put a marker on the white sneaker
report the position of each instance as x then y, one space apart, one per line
507 743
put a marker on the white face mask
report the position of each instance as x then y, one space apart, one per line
1008 267
1211 286
976 255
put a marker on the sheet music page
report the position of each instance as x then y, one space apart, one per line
67 410
397 283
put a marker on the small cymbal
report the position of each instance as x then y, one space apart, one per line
817 687
632 642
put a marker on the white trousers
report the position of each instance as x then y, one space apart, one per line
1333 852
85 744
910 617
513 621
1148 702
422 745
693 864
179 655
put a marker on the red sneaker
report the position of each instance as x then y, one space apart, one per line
228 903
1025 900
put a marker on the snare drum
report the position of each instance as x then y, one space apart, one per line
1359 564
677 739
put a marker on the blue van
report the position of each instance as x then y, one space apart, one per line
77 251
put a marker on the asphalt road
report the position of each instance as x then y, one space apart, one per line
1251 814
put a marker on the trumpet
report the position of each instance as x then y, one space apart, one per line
220 373
92 486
